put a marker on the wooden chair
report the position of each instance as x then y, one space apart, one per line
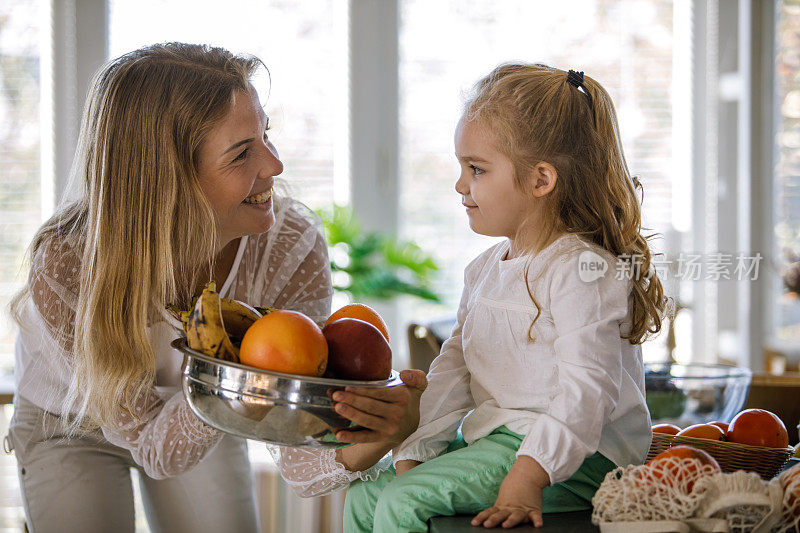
423 347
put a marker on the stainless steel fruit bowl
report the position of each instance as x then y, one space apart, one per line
284 409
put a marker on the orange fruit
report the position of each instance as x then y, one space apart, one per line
668 429
721 425
671 464
790 480
758 427
361 312
285 341
703 431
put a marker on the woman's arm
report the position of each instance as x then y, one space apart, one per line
164 437
316 472
390 415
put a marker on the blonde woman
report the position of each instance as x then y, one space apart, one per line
174 178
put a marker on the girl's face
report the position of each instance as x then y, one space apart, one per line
494 204
237 167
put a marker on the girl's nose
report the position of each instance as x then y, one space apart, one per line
461 185
271 164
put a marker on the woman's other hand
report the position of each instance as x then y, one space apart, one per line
387 415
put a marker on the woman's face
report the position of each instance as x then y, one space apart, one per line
237 168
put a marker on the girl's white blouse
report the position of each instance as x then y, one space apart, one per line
578 389
286 267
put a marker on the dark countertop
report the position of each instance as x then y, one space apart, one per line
575 522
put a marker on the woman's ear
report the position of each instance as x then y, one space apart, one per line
543 179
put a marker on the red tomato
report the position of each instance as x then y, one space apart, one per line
758 427
668 429
703 431
721 425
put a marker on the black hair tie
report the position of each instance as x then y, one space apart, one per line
576 80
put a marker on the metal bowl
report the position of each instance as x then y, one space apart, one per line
284 409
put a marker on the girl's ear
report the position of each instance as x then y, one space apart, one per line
543 179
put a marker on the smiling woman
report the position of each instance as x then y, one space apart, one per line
94 363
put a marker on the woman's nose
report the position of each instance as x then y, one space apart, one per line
271 164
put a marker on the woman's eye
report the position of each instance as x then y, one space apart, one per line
476 170
240 157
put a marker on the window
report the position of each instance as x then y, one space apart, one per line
637 50
787 174
24 194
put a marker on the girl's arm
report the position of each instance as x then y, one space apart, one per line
445 402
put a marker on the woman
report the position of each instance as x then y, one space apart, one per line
174 176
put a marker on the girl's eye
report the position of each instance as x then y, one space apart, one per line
476 170
241 157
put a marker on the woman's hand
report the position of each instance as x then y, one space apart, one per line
405 465
388 415
520 497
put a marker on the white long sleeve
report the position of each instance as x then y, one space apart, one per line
446 400
578 388
314 472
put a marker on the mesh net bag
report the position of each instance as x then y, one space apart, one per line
665 491
740 498
790 484
683 494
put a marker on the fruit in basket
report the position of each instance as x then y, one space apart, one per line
721 425
703 431
672 465
758 427
215 325
357 350
667 429
285 341
361 312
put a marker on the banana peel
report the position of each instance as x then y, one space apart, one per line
213 322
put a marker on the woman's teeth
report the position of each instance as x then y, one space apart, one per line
259 198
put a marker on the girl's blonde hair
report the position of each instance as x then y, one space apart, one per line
144 227
537 116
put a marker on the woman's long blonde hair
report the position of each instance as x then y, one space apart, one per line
145 228
537 116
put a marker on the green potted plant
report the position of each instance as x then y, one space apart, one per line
371 265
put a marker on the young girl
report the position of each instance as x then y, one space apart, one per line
543 371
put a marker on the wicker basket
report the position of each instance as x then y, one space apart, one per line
767 462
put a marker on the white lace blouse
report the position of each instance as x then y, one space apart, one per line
286 267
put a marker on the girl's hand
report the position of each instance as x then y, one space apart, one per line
405 465
388 415
520 497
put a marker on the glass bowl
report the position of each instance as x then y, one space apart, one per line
273 407
695 393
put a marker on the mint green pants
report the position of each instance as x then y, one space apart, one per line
465 479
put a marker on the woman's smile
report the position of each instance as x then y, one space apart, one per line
261 200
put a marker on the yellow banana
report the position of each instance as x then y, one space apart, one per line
237 316
205 328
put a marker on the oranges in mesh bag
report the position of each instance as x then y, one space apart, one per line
680 466
790 481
